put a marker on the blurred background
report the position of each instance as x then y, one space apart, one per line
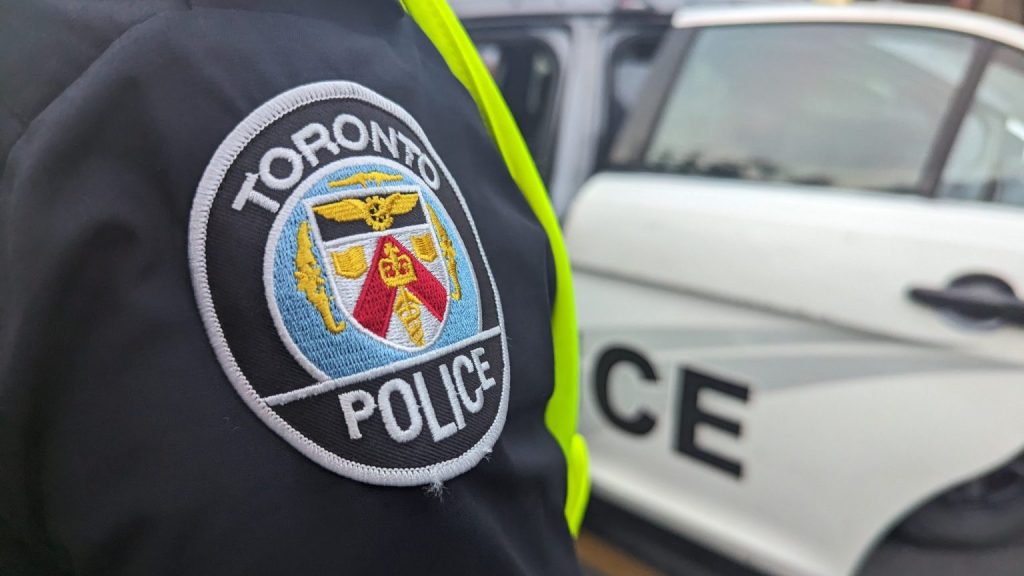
797 234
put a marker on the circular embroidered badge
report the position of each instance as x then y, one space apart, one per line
345 290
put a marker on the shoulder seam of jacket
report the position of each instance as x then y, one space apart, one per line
21 125
186 6
10 111
25 123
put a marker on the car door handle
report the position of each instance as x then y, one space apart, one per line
1005 307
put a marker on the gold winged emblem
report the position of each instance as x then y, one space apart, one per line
364 179
377 211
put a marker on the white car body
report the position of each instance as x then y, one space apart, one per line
859 404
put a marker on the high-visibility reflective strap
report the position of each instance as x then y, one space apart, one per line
439 23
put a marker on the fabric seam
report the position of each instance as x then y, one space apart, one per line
27 123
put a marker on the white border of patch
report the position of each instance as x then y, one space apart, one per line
222 160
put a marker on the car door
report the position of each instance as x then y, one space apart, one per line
787 342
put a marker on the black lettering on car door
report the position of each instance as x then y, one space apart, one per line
692 383
640 423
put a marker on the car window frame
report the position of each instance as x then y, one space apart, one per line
994 48
482 32
621 37
638 130
942 146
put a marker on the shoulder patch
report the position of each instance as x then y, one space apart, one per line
344 288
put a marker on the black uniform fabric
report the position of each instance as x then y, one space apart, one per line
123 447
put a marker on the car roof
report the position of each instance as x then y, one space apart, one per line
952 19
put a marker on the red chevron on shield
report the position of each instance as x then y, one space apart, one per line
390 261
398 288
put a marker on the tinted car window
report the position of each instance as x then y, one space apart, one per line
526 71
833 105
987 160
627 74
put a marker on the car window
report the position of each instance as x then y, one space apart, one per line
987 160
627 72
854 106
526 70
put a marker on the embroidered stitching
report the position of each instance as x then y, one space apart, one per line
423 246
310 281
209 186
350 263
364 178
378 213
347 292
448 251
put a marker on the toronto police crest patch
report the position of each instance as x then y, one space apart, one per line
345 290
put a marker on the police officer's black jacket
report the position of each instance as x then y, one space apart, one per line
169 257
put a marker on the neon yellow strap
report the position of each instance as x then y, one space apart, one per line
439 23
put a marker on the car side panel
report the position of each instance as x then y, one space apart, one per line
858 406
845 258
830 461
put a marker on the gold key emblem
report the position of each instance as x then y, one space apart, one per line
397 272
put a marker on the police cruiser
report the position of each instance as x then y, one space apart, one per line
569 70
799 285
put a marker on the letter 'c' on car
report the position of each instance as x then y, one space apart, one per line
642 422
